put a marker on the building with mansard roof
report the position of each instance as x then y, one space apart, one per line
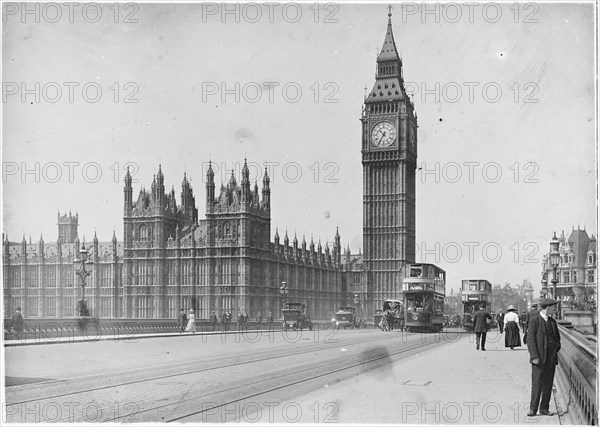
577 268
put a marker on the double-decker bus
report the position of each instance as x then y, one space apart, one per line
475 292
423 292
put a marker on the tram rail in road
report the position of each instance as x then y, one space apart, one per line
186 392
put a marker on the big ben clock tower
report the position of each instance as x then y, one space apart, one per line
389 157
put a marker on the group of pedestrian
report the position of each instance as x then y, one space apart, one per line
187 321
542 337
242 321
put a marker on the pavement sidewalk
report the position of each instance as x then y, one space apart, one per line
450 384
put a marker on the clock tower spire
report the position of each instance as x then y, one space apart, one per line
389 158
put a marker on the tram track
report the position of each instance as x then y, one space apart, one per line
286 380
361 362
77 385
190 390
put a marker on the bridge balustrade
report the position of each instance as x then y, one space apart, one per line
576 378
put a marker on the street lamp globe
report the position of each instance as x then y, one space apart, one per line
554 254
79 265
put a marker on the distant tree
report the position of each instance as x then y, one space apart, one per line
503 296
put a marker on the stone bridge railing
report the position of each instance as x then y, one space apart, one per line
576 379
55 329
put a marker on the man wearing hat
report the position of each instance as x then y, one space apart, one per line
182 320
17 324
543 343
500 320
480 326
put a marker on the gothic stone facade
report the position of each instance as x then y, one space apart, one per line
170 259
40 278
389 156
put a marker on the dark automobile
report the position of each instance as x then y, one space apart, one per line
295 316
346 318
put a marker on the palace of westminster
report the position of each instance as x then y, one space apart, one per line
170 259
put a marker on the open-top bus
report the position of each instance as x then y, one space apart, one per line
423 290
475 293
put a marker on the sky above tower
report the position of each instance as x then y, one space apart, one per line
504 94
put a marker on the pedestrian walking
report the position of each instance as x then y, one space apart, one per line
240 321
17 324
259 320
270 320
182 320
523 321
480 326
213 320
224 321
511 337
500 320
228 320
543 343
191 325
246 321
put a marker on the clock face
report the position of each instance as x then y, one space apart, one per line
384 134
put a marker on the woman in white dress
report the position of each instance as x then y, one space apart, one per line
191 326
511 328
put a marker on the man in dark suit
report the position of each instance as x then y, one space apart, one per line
214 321
224 321
17 324
182 320
500 320
480 326
523 321
543 343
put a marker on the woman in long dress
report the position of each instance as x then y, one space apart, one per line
191 326
512 338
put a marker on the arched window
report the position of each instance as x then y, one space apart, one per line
144 233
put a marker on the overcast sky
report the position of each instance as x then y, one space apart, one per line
510 98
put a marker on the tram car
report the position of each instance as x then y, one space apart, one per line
295 316
423 290
475 293
346 317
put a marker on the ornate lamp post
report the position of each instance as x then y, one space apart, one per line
283 290
554 261
79 265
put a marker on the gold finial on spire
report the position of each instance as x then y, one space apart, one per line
389 10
